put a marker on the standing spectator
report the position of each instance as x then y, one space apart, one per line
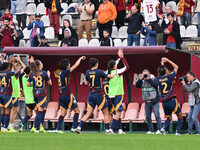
43 42
134 20
121 12
150 95
7 32
86 10
21 13
198 14
186 19
193 101
168 9
34 24
13 7
67 24
172 37
132 3
107 13
54 9
106 40
150 34
68 39
7 15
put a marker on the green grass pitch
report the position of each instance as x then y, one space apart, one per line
97 141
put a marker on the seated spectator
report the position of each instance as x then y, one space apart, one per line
67 24
150 34
7 15
21 13
68 39
106 40
43 42
172 37
134 26
7 33
34 24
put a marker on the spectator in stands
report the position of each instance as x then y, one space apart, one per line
198 14
121 12
150 34
7 15
34 24
107 13
186 19
67 24
150 95
168 9
193 101
86 10
43 42
131 3
21 13
4 4
106 40
172 36
54 9
68 39
134 26
7 33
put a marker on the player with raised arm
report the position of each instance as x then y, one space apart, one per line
94 77
66 98
168 95
37 80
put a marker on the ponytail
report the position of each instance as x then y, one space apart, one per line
34 68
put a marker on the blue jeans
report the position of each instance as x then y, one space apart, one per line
171 45
186 19
133 38
198 15
13 8
148 110
193 118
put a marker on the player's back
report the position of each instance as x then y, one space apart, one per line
166 85
64 82
5 82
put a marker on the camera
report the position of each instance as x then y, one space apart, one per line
7 25
145 76
183 78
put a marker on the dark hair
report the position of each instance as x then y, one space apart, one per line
170 14
107 30
190 73
34 68
162 70
111 65
63 64
6 19
93 62
27 70
42 37
4 66
68 22
37 62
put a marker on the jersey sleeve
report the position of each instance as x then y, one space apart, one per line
103 74
46 77
172 75
67 72
30 79
12 73
87 76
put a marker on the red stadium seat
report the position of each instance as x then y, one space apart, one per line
141 117
51 111
131 112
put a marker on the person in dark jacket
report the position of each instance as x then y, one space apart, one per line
172 37
106 40
54 9
43 42
68 40
67 24
134 20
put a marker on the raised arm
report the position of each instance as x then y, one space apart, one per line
166 60
77 63
126 66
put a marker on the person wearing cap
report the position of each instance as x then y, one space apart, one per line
34 24
68 39
43 42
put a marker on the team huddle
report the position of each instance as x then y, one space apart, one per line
106 91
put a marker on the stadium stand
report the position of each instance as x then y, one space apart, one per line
94 42
122 33
114 32
49 33
191 31
45 19
65 7
83 42
31 9
182 31
41 9
117 42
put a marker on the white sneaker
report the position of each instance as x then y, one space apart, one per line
121 132
163 131
111 132
158 132
149 132
177 134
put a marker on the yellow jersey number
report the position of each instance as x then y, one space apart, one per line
165 87
92 77
3 82
38 80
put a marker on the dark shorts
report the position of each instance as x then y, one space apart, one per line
68 102
171 106
30 106
6 101
40 102
15 101
111 107
95 98
117 102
